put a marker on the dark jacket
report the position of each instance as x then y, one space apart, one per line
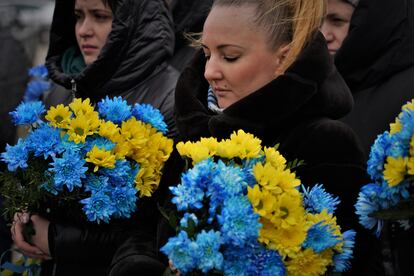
377 62
132 64
298 110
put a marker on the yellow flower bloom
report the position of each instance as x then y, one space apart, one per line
59 116
79 129
274 158
277 180
410 166
395 170
146 181
308 263
395 127
135 132
409 105
248 146
101 158
290 211
109 130
80 107
211 144
263 202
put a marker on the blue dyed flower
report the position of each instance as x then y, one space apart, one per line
27 113
39 71
122 175
239 223
100 142
35 89
16 156
186 197
150 115
182 252
66 145
208 254
366 205
320 237
98 207
186 218
342 261
317 199
68 170
116 110
377 156
44 141
95 183
407 123
124 200
391 196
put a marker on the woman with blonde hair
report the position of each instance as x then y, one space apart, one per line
265 68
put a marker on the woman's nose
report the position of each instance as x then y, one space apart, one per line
85 28
327 31
212 70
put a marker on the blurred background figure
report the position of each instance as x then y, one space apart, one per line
376 60
24 26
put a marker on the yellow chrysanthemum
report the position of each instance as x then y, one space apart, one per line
248 145
274 158
136 133
395 170
290 211
277 180
79 129
146 181
410 166
395 127
409 105
59 116
263 202
80 107
211 144
93 120
109 130
228 149
308 263
101 158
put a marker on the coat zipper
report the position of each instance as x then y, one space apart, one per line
74 90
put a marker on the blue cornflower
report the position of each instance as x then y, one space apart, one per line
116 110
317 199
379 151
27 113
44 141
320 237
39 71
35 89
366 205
342 261
182 252
100 142
124 200
95 183
98 207
185 219
122 175
68 170
208 255
16 156
239 223
150 115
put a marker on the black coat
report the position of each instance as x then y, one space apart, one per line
377 62
132 64
298 110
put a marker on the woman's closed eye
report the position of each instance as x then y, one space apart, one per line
231 58
102 16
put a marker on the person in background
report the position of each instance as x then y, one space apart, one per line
265 68
102 48
336 23
14 64
376 61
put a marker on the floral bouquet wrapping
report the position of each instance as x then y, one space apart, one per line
242 211
100 161
391 168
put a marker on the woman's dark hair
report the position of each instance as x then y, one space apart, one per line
111 3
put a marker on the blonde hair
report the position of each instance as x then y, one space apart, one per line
287 22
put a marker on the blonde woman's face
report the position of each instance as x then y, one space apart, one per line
239 59
93 25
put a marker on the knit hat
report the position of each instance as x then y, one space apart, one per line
353 2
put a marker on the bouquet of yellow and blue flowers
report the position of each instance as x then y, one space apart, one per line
243 211
391 168
100 160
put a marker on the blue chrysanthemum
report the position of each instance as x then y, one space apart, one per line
150 115
208 255
366 205
320 237
122 175
342 261
16 156
239 223
182 252
186 197
124 200
407 123
68 171
98 207
116 110
200 175
100 142
27 113
377 156
391 196
186 218
317 199
39 71
95 183
35 89
66 145
44 141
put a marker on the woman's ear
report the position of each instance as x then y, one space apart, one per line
280 56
